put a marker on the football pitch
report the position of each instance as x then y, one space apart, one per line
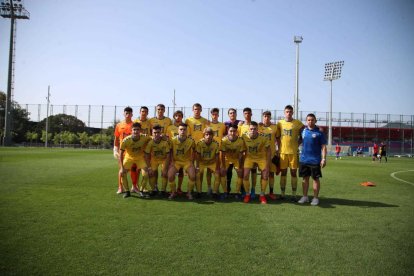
60 215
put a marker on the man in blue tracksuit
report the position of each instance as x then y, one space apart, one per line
312 158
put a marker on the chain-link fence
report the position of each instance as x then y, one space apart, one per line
349 129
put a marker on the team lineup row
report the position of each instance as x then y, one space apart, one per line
197 145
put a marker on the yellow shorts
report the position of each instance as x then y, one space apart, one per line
253 163
235 164
155 164
182 164
212 167
289 161
140 163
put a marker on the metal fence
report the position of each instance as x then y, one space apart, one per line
354 129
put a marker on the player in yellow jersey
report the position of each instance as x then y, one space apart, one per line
160 119
182 156
172 131
269 130
157 154
207 158
218 130
132 152
146 130
232 148
122 130
288 137
257 155
196 123
244 128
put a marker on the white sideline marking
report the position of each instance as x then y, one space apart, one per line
399 179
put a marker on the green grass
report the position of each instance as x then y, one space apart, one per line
60 215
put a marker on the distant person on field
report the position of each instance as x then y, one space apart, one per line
337 151
132 153
289 130
383 152
375 150
312 158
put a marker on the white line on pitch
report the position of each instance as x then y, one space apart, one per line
399 179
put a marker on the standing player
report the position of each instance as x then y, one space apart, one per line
244 128
288 131
232 112
311 160
337 151
232 149
144 121
268 130
157 153
160 119
218 130
122 130
132 152
375 152
383 152
207 157
172 131
182 157
257 155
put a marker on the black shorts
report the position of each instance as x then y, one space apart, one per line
306 170
383 153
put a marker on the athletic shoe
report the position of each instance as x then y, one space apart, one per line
189 196
120 191
172 195
127 194
293 198
141 194
253 194
215 196
246 199
179 192
162 193
262 199
237 196
223 196
282 197
272 196
135 190
303 199
209 191
315 201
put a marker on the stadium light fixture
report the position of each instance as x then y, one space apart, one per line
13 10
333 71
297 40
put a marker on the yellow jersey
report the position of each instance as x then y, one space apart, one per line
182 151
218 129
243 130
145 126
134 149
232 149
289 133
208 153
159 151
196 127
163 123
256 148
269 132
172 131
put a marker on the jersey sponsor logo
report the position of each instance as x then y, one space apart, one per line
206 154
267 136
159 153
287 132
253 149
197 127
179 152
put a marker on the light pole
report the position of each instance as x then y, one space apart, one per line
332 72
12 9
297 40
47 116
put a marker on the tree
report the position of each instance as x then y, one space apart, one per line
62 122
68 137
83 138
30 136
49 136
20 123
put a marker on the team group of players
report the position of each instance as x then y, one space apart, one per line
201 147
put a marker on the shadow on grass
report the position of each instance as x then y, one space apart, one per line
333 202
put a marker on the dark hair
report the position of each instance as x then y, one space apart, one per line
248 109
136 125
253 123
128 109
232 109
289 107
178 112
144 107
183 125
215 110
197 105
161 105
156 127
233 126
311 115
267 112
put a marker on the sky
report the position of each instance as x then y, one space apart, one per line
220 53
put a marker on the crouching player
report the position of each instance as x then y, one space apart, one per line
257 154
207 157
232 149
182 156
132 153
311 161
157 153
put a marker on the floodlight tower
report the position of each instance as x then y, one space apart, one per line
297 40
332 72
12 9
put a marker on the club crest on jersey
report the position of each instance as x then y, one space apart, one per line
313 135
